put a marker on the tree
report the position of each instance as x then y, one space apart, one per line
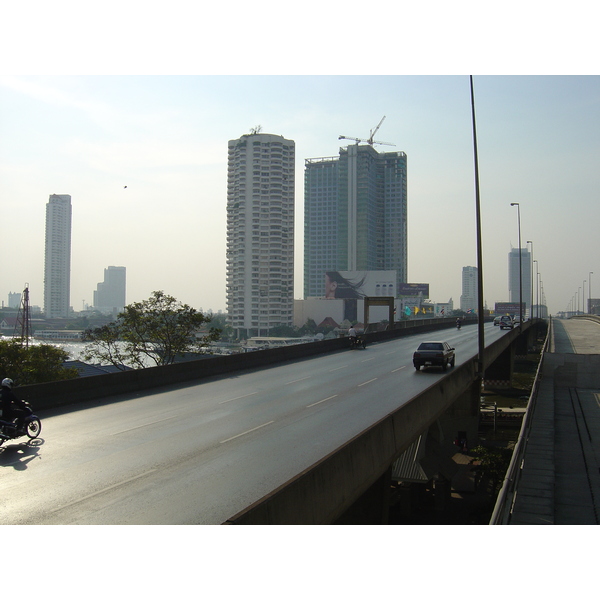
494 463
34 364
309 328
149 333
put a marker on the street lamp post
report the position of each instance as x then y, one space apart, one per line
537 301
583 298
520 267
531 286
480 316
590 290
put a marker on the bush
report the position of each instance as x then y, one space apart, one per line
34 364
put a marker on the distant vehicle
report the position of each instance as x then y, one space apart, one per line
434 354
497 320
506 322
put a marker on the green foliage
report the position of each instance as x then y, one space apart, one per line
148 333
35 364
309 328
494 464
219 321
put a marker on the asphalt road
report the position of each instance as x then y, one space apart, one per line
198 454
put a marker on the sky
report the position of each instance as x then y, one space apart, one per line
90 129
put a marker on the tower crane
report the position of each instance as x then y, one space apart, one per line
370 140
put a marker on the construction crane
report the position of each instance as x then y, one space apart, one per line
369 141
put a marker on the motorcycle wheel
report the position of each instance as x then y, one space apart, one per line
34 428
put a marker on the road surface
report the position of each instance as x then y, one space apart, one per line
199 453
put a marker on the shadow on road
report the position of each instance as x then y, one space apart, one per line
19 455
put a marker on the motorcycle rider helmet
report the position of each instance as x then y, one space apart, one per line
7 383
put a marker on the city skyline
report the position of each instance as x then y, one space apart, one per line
142 158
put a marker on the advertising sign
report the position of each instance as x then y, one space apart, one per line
414 289
358 284
507 308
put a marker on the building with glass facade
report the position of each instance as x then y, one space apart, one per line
260 233
355 215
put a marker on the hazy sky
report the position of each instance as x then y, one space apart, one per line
165 138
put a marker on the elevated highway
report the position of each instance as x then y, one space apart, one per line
307 440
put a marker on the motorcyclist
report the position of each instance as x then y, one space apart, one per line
10 406
458 323
352 335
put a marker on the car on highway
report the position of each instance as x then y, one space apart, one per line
497 320
506 322
434 354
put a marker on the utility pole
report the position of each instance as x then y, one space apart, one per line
24 318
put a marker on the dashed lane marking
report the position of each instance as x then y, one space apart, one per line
246 432
297 380
365 382
103 490
237 398
324 400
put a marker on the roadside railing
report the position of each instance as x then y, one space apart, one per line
506 495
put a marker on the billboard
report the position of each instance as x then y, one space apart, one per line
414 289
508 308
358 284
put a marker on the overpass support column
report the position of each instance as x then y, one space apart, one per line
460 423
500 372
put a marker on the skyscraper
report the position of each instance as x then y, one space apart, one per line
513 277
260 233
355 215
57 268
109 296
469 296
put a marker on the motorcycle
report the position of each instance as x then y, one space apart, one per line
357 342
31 427
457 324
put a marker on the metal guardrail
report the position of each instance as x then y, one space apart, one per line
506 496
595 318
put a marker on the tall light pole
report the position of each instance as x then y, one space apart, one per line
520 267
537 312
590 290
583 297
531 273
480 319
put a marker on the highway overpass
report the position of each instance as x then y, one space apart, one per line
306 439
